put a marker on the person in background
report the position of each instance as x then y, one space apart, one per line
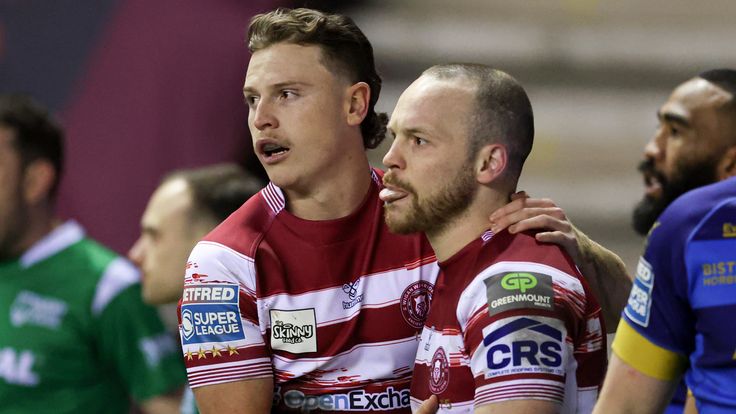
512 326
670 327
75 335
187 205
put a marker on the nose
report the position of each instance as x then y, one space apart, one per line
263 116
135 254
653 150
393 158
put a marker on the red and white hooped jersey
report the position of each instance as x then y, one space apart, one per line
510 319
331 309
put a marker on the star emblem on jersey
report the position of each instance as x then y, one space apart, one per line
232 351
201 354
215 352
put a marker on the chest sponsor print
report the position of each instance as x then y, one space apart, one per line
294 331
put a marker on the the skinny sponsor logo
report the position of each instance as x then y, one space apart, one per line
292 334
294 331
357 400
351 289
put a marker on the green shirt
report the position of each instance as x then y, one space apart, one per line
75 336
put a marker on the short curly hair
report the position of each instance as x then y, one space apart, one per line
344 46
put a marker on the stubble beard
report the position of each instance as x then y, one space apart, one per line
434 213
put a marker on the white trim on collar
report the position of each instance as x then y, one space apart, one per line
57 240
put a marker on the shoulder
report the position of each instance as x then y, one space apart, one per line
243 230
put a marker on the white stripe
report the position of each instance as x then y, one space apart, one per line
228 372
377 290
118 275
274 197
221 263
377 360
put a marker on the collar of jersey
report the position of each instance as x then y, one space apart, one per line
57 240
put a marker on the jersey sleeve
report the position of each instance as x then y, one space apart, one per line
219 323
531 333
657 329
132 339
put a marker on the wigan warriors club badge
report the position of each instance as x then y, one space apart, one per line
415 303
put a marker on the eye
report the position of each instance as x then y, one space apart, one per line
287 94
419 141
251 100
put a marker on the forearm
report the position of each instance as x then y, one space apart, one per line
607 276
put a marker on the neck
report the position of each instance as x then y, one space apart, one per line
468 226
336 193
40 223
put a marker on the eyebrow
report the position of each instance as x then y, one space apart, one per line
673 118
280 85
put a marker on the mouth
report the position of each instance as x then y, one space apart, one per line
652 186
271 151
391 194
654 180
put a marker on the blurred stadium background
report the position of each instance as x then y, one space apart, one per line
144 87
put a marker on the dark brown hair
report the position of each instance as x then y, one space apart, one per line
346 50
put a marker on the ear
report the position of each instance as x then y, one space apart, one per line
727 165
356 105
38 178
490 163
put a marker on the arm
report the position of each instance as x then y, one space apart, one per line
163 404
604 270
519 407
628 391
240 397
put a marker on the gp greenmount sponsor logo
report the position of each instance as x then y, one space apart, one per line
519 290
518 281
357 400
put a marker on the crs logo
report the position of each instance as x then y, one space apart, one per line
519 281
524 345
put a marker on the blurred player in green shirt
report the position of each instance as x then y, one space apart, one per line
75 336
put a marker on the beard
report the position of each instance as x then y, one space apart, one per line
13 225
434 213
688 176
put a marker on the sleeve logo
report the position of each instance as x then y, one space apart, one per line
519 290
640 298
210 313
524 345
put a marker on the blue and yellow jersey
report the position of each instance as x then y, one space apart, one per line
681 314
